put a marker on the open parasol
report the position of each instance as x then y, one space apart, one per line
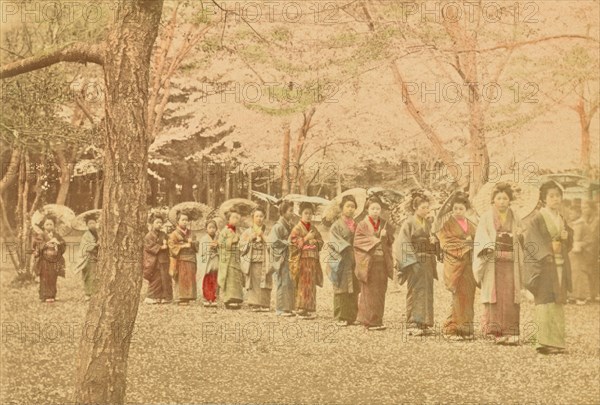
62 215
196 212
78 222
445 211
241 205
332 211
525 196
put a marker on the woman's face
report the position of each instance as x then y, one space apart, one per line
553 199
573 215
183 221
306 214
157 224
92 225
374 210
459 210
586 210
234 219
288 214
422 210
349 209
211 229
49 225
501 201
259 218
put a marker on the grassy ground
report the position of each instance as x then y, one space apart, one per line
211 355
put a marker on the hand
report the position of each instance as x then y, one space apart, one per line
564 235
214 243
383 233
235 238
432 239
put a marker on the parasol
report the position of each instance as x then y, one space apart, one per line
78 222
196 212
525 196
241 205
62 214
332 210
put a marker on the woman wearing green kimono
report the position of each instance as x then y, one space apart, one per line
230 277
253 256
340 264
548 240
416 264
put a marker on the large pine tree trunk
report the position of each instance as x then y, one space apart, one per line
104 346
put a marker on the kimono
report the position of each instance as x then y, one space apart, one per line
49 263
340 268
230 277
416 262
374 265
548 275
457 245
156 267
255 266
499 273
583 269
278 244
209 267
305 267
183 263
592 254
88 254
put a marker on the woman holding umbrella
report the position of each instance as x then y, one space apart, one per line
253 256
48 250
182 248
305 268
374 264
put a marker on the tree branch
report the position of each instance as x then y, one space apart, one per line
513 45
79 52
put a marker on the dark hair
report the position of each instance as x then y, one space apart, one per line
179 214
461 198
46 218
230 212
373 200
547 186
347 198
90 217
154 216
258 209
417 198
211 221
304 205
505 188
285 206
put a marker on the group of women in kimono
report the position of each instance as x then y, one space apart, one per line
499 255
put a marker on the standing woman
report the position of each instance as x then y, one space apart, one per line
48 250
88 253
253 256
374 265
183 248
278 242
548 241
231 278
341 264
456 239
156 264
590 216
210 264
416 262
305 268
497 266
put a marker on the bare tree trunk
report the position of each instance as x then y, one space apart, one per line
585 119
285 161
65 177
104 346
97 192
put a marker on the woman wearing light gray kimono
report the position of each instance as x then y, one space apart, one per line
416 263
254 264
230 277
88 256
341 264
278 243
498 260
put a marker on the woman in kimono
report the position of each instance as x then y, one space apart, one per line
374 265
254 264
183 248
278 242
340 264
230 277
592 254
548 240
156 264
416 264
209 260
305 268
48 250
88 253
456 240
577 256
497 267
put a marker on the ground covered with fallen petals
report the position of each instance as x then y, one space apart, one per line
185 355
